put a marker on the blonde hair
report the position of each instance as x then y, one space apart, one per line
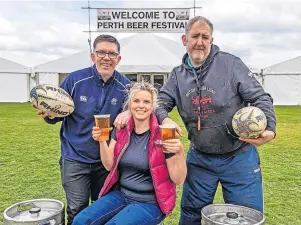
142 86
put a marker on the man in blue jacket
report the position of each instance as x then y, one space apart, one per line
208 88
99 89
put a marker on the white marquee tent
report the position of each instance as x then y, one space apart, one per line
143 55
15 81
283 82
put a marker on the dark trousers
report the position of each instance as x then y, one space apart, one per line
115 208
81 182
240 177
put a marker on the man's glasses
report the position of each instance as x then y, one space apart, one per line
102 54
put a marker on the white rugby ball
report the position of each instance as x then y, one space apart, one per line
53 100
249 122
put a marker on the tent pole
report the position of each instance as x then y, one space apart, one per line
89 40
262 77
193 8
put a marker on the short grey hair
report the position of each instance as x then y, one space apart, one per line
106 38
198 19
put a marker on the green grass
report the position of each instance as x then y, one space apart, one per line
30 150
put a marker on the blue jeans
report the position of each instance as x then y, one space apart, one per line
114 209
239 175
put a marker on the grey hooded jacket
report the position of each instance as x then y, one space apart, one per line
225 86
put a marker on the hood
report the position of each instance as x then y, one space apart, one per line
208 60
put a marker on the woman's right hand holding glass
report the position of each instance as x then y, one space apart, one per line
101 132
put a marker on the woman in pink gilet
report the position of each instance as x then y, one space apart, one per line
144 170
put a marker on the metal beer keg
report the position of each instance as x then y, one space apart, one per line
225 214
35 212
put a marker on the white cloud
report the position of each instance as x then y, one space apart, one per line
7 27
260 32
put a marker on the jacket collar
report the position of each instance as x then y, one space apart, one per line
208 60
98 78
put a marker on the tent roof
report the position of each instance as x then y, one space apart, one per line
66 64
291 66
140 53
7 66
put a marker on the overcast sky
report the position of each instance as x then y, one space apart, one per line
262 34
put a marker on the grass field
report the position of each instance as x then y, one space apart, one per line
30 150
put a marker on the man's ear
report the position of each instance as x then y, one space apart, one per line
92 55
118 59
212 40
184 39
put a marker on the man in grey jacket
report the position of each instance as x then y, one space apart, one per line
208 88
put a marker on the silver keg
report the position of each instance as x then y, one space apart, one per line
35 212
225 214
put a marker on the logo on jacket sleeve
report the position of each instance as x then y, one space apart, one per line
83 98
113 101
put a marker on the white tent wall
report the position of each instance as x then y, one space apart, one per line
14 84
285 89
14 87
283 82
48 78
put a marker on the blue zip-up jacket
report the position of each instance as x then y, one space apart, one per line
226 85
91 97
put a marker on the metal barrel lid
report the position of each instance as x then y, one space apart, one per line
224 214
33 210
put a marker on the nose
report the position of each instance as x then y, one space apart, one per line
199 41
141 104
107 57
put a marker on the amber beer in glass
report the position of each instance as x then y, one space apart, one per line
103 121
168 131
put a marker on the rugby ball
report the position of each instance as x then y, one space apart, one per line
52 100
249 122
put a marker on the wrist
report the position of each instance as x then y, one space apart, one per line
181 152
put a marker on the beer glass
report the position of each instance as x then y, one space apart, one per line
103 121
168 131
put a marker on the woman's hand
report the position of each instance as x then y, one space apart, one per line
97 132
172 146
176 164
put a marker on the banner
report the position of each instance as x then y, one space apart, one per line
142 20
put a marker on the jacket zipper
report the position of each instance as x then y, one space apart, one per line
149 164
199 87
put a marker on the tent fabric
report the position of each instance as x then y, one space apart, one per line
67 64
7 66
291 66
140 53
49 78
14 85
149 53
285 90
283 82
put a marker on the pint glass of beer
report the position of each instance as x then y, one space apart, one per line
168 131
103 121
